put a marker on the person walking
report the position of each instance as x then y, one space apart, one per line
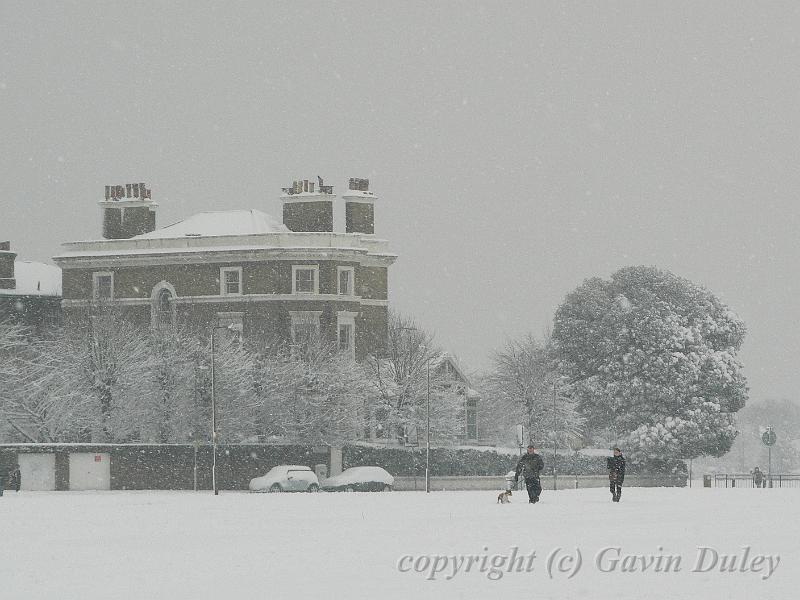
616 474
530 466
15 479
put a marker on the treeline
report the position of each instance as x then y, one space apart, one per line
110 381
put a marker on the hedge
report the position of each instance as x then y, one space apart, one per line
461 462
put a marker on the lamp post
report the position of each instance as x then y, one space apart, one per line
428 431
555 477
231 327
427 412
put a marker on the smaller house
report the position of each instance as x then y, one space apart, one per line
30 292
443 368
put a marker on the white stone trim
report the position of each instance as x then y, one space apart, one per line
308 241
307 197
210 255
352 271
95 276
222 290
247 298
128 203
360 197
315 269
372 302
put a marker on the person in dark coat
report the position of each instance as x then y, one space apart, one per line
530 465
14 479
616 474
758 477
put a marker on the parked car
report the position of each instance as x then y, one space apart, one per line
286 478
360 479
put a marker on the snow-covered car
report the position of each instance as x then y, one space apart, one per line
360 479
286 478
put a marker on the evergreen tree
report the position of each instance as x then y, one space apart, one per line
652 361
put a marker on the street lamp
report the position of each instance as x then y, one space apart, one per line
236 328
428 430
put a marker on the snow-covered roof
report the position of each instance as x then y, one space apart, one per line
216 223
35 279
231 234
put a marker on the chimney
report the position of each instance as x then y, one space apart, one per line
7 257
308 207
359 207
128 210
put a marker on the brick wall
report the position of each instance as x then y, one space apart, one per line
268 277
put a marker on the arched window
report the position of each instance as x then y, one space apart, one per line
162 310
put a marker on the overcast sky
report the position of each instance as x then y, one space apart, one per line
518 148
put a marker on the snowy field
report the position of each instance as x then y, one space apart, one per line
176 545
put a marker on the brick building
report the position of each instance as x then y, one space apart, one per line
30 292
240 269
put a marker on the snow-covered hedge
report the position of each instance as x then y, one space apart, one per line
459 462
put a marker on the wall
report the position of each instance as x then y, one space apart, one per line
38 312
268 277
171 467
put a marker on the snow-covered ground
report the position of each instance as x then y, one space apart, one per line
176 545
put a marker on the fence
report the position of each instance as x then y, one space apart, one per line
746 480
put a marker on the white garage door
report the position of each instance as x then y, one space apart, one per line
89 471
38 471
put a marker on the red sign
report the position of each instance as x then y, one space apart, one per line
97 458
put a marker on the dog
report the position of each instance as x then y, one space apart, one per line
504 497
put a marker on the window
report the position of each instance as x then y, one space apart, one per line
345 337
162 305
230 281
305 326
346 328
103 285
305 279
345 280
164 312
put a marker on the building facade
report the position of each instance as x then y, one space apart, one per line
30 292
240 270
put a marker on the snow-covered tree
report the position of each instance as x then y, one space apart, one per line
236 398
311 394
50 403
400 386
112 357
520 389
652 360
170 406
